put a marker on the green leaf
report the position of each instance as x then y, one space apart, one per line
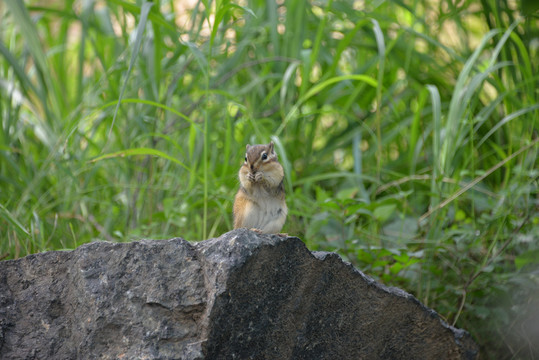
396 268
527 258
384 212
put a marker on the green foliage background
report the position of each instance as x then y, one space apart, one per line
407 130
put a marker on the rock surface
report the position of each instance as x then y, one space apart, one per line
239 296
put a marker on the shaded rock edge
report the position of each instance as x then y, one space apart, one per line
239 296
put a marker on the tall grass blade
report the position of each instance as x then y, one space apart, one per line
319 87
141 152
8 216
457 106
478 179
437 166
379 36
145 10
507 119
19 71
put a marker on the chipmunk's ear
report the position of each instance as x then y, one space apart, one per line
270 146
248 146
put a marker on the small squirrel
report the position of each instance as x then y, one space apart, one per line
260 202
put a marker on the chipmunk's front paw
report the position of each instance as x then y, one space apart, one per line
258 231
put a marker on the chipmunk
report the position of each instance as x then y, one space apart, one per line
260 202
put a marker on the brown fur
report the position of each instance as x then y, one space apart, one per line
260 201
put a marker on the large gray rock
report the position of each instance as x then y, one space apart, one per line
240 296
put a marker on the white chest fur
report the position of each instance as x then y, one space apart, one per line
265 212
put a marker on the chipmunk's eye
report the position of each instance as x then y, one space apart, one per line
246 159
264 156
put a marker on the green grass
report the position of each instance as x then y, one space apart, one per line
408 133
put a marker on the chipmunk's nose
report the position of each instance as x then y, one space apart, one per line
252 167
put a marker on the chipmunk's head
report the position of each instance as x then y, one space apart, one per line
261 166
